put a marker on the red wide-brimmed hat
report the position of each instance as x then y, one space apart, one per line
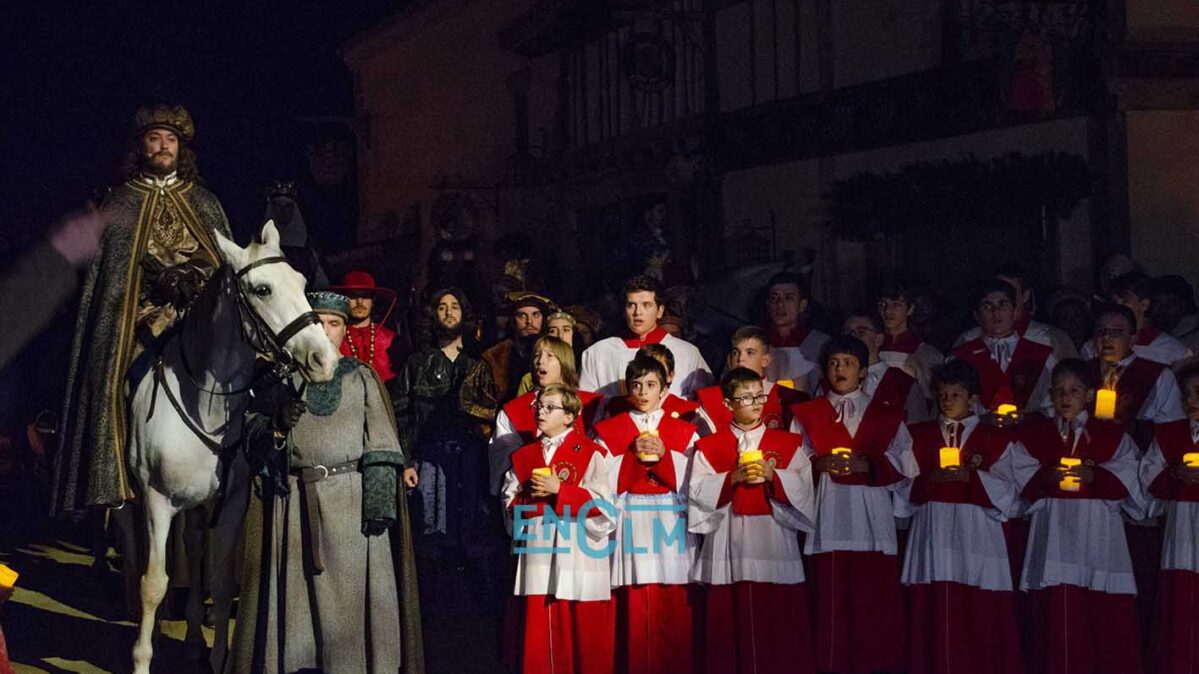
359 281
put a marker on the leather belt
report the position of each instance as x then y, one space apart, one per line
312 513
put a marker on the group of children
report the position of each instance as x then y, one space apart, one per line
757 530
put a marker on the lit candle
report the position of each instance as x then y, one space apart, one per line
1191 459
951 457
1070 483
786 383
8 577
845 452
1105 403
544 470
751 456
1006 409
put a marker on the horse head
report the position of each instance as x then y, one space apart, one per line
274 293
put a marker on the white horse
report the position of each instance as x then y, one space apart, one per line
192 403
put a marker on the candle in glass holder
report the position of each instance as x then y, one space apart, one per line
1070 482
1105 403
8 577
951 457
751 456
1006 409
1191 459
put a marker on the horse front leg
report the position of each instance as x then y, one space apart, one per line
195 520
159 512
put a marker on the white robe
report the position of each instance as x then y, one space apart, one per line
1180 547
605 361
1165 349
919 363
1081 541
1041 333
557 560
756 548
798 363
859 517
961 542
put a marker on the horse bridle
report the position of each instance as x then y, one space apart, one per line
275 343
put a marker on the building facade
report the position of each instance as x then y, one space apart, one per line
854 138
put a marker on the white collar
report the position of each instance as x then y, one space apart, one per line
748 439
159 182
647 420
550 445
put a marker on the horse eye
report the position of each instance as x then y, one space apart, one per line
262 291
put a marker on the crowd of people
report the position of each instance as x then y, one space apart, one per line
882 495
855 502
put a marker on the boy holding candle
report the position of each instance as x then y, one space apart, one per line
1137 393
1078 574
962 615
751 350
1012 370
750 492
1170 475
562 584
647 468
863 455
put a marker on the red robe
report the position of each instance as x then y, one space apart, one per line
1014 387
674 406
1133 388
547 635
1068 628
754 627
1174 635
955 627
858 598
358 344
653 621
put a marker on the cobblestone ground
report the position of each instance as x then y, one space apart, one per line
65 616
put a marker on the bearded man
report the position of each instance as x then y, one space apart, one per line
157 252
496 378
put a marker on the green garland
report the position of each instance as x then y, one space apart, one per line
1005 192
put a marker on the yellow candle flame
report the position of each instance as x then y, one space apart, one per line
843 451
749 456
786 383
1191 459
1105 404
951 457
1006 409
545 470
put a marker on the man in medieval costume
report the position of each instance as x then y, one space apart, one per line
368 338
319 584
156 253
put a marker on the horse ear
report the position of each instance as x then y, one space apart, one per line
269 236
233 253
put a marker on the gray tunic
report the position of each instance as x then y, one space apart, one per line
346 619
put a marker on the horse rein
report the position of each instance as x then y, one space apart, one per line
275 346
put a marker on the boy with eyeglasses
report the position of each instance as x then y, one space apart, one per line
1012 369
862 454
750 493
563 588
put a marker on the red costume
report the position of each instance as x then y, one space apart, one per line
372 342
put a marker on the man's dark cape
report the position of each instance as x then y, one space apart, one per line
90 468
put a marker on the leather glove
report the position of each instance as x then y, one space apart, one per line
176 285
376 526
289 415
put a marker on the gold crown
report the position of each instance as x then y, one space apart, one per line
174 118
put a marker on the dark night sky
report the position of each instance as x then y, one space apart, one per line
73 73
